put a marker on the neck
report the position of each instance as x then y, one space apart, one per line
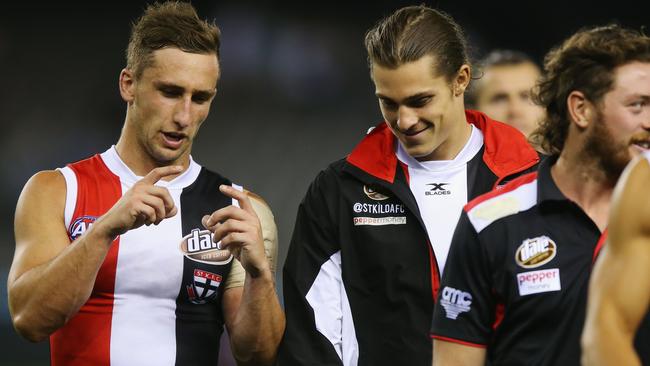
582 181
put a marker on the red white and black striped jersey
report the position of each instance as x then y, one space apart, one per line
157 296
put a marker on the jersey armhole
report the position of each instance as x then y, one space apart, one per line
70 194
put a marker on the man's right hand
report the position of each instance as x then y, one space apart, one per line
142 204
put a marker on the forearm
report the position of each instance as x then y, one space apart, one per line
42 299
259 323
455 354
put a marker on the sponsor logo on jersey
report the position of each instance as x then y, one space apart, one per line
373 194
203 287
535 252
378 208
534 282
199 247
437 189
455 302
379 221
80 225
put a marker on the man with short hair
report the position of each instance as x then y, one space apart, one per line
515 288
138 255
504 88
372 233
618 323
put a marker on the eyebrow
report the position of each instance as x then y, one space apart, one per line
409 99
177 88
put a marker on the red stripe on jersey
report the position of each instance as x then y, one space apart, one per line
435 280
599 246
509 187
453 340
499 313
85 339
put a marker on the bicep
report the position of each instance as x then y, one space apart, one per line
39 225
621 283
456 354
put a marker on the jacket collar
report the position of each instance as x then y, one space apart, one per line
506 150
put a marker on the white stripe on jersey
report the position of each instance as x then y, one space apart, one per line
144 320
509 203
440 189
332 312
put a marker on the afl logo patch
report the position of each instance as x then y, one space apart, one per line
535 252
199 247
79 226
373 194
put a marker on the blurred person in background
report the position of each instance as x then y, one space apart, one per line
504 87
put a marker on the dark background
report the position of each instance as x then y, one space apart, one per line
294 95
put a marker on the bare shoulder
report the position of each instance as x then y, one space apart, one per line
39 228
47 187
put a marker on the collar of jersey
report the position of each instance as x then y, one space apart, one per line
471 148
547 190
506 149
117 166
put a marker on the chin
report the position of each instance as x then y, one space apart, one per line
419 152
165 156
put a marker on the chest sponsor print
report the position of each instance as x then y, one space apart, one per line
199 247
535 252
535 282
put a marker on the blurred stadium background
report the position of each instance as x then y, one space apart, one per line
294 94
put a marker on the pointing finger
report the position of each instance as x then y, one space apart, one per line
241 197
158 173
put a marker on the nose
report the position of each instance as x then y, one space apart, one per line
406 118
515 108
646 120
182 112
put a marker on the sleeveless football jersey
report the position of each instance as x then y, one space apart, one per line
157 296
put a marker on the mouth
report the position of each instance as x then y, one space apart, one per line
412 133
173 139
642 143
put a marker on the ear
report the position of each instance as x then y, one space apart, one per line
127 85
462 80
581 110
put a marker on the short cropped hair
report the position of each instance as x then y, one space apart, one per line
495 58
584 62
413 32
169 24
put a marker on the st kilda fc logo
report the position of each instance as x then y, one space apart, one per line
199 247
204 286
79 226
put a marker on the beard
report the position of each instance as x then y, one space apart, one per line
611 156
